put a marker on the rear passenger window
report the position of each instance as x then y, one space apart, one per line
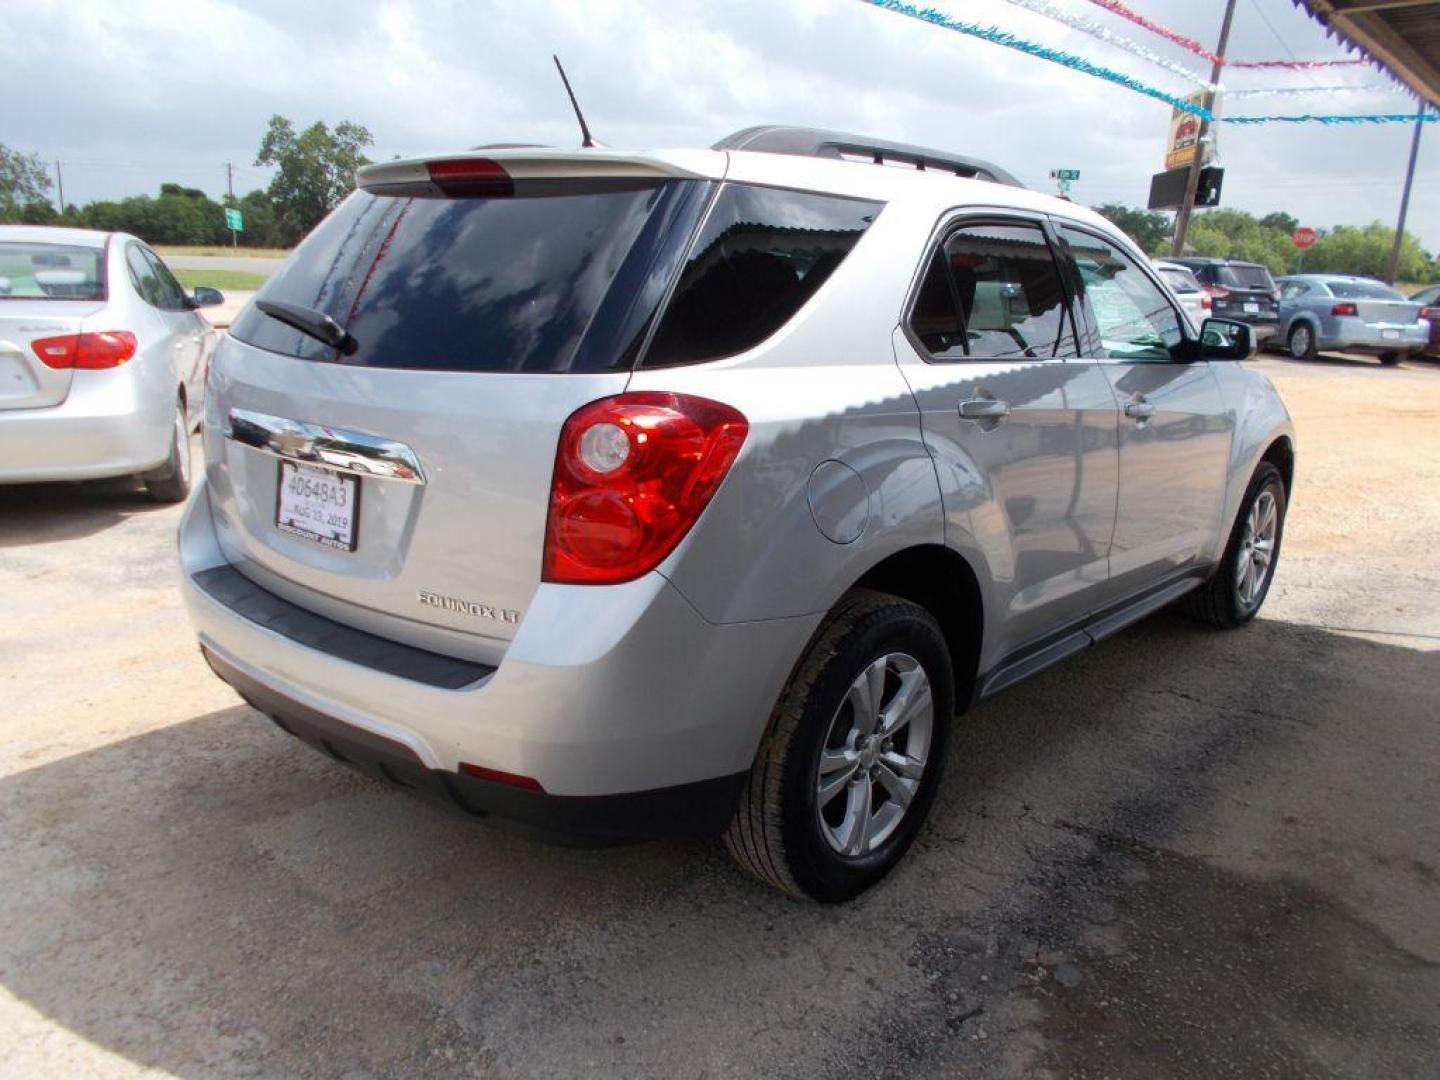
143 277
760 255
993 291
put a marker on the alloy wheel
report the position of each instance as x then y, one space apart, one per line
1257 549
875 755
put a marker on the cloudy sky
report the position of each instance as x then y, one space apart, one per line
127 95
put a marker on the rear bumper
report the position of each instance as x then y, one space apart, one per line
687 810
103 428
1352 335
604 691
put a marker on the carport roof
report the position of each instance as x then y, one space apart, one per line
1403 36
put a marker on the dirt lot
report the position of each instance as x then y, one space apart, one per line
1184 853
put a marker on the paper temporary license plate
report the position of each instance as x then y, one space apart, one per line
1253 309
1390 335
318 504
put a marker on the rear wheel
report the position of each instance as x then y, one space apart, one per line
171 483
848 768
1238 588
1302 341
1390 359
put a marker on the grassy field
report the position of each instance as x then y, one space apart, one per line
220 279
244 252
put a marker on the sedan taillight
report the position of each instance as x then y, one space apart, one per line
90 351
1344 309
632 474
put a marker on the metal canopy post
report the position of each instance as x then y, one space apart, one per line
1394 268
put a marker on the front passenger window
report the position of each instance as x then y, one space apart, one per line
1134 319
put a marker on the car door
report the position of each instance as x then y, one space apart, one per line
190 329
1175 430
1023 434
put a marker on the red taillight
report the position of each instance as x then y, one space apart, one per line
632 474
1344 309
1431 313
480 772
471 176
106 349
1216 292
1275 295
1205 302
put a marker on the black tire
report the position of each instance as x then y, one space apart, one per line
1218 601
171 482
1301 346
776 833
1391 359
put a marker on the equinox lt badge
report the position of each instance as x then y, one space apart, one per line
469 607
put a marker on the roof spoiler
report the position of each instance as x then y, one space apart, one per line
531 171
814 142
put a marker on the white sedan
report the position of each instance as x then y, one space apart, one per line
102 360
1187 288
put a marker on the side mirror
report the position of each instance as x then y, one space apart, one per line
207 297
1225 339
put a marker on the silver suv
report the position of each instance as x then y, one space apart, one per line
626 495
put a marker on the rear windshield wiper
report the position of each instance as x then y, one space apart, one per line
312 323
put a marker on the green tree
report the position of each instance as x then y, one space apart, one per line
24 185
1366 251
1147 228
1278 219
315 169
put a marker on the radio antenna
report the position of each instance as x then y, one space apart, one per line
584 130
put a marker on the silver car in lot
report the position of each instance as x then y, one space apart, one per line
681 493
1187 289
102 360
1339 312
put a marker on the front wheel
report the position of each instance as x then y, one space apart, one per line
1301 342
1239 586
1391 359
850 763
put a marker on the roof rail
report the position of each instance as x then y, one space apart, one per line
814 142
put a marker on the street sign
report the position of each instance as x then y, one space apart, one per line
1304 237
1065 174
234 220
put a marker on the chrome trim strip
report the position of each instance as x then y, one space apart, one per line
332 448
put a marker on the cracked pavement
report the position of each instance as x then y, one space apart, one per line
1181 853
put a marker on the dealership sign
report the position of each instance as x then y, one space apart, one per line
1184 139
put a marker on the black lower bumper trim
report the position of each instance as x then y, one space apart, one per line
700 809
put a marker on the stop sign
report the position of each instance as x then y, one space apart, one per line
1303 238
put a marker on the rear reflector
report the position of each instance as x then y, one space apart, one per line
93 351
471 176
480 772
1344 309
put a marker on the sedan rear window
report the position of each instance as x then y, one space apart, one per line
1246 276
51 272
1363 290
1179 280
535 284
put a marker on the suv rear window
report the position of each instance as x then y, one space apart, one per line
536 284
1246 276
760 255
51 272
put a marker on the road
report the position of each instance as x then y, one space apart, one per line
244 264
1182 853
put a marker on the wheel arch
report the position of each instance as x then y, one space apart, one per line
1281 454
943 582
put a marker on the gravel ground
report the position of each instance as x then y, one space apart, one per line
1182 853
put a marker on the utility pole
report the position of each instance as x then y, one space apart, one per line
60 183
230 185
1394 269
1192 182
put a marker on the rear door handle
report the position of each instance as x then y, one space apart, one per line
983 409
1139 410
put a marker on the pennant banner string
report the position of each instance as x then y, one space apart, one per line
1115 7
1011 41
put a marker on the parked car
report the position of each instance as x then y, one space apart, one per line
102 360
1187 289
1429 299
1349 314
682 493
1239 290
